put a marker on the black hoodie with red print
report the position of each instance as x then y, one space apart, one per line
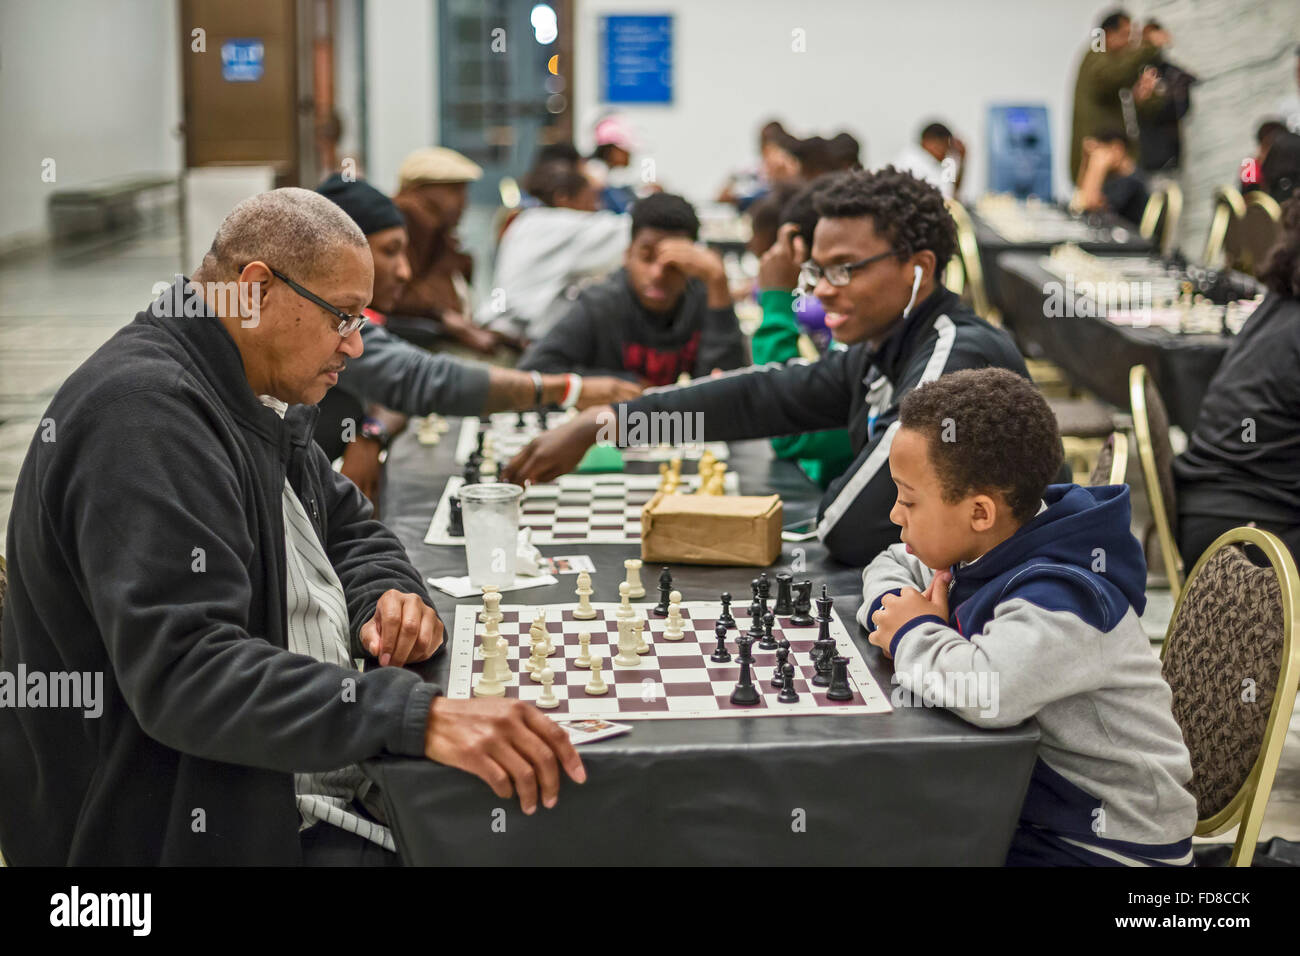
608 332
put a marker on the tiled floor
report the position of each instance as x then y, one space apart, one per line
56 309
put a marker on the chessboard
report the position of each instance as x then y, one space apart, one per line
576 509
506 433
675 679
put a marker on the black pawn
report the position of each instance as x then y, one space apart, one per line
725 617
840 689
745 693
721 655
541 419
778 672
665 593
784 606
788 694
520 421
768 643
802 605
784 644
455 518
755 631
471 474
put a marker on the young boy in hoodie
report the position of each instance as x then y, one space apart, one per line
1031 591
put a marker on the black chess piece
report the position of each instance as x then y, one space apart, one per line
788 694
745 693
475 460
840 689
745 643
764 590
721 655
784 644
471 474
478 446
823 659
541 419
725 617
778 672
825 644
768 642
520 421
784 595
455 517
665 593
755 631
802 605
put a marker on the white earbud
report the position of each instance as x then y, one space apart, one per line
916 284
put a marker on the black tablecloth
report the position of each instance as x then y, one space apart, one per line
1096 354
917 786
993 244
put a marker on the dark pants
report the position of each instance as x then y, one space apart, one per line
324 844
1197 532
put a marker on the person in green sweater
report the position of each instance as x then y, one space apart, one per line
1112 63
823 456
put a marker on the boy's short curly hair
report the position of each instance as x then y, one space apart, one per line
667 212
988 429
907 211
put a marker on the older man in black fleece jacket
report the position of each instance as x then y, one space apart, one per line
159 520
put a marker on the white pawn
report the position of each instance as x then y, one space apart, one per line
673 629
584 650
596 686
537 663
627 641
634 587
548 700
625 612
638 627
585 611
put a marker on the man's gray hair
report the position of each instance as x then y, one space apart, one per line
293 230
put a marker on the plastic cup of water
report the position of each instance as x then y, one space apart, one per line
491 513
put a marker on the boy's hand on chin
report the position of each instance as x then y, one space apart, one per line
897 609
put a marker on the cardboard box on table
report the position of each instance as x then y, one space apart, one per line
711 529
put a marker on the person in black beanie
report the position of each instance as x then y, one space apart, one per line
392 378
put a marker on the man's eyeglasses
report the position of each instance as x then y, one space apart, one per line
839 274
348 323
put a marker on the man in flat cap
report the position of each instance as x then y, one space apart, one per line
177 536
433 190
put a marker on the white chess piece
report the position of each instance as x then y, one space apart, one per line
498 664
634 587
487 590
625 611
538 631
488 685
596 686
638 624
585 611
673 629
548 700
627 641
584 650
537 663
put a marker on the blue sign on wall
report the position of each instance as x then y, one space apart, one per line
242 61
636 59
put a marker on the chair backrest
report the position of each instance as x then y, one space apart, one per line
954 277
1231 660
1112 461
973 272
1156 453
1153 214
1229 207
1250 237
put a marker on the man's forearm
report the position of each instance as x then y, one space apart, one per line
511 390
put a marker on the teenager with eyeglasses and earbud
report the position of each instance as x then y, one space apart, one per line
881 242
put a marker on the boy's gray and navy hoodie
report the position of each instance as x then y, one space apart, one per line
1046 625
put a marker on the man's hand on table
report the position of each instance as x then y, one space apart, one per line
404 630
512 746
558 451
897 609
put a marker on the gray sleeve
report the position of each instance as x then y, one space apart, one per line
410 380
1026 657
892 570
